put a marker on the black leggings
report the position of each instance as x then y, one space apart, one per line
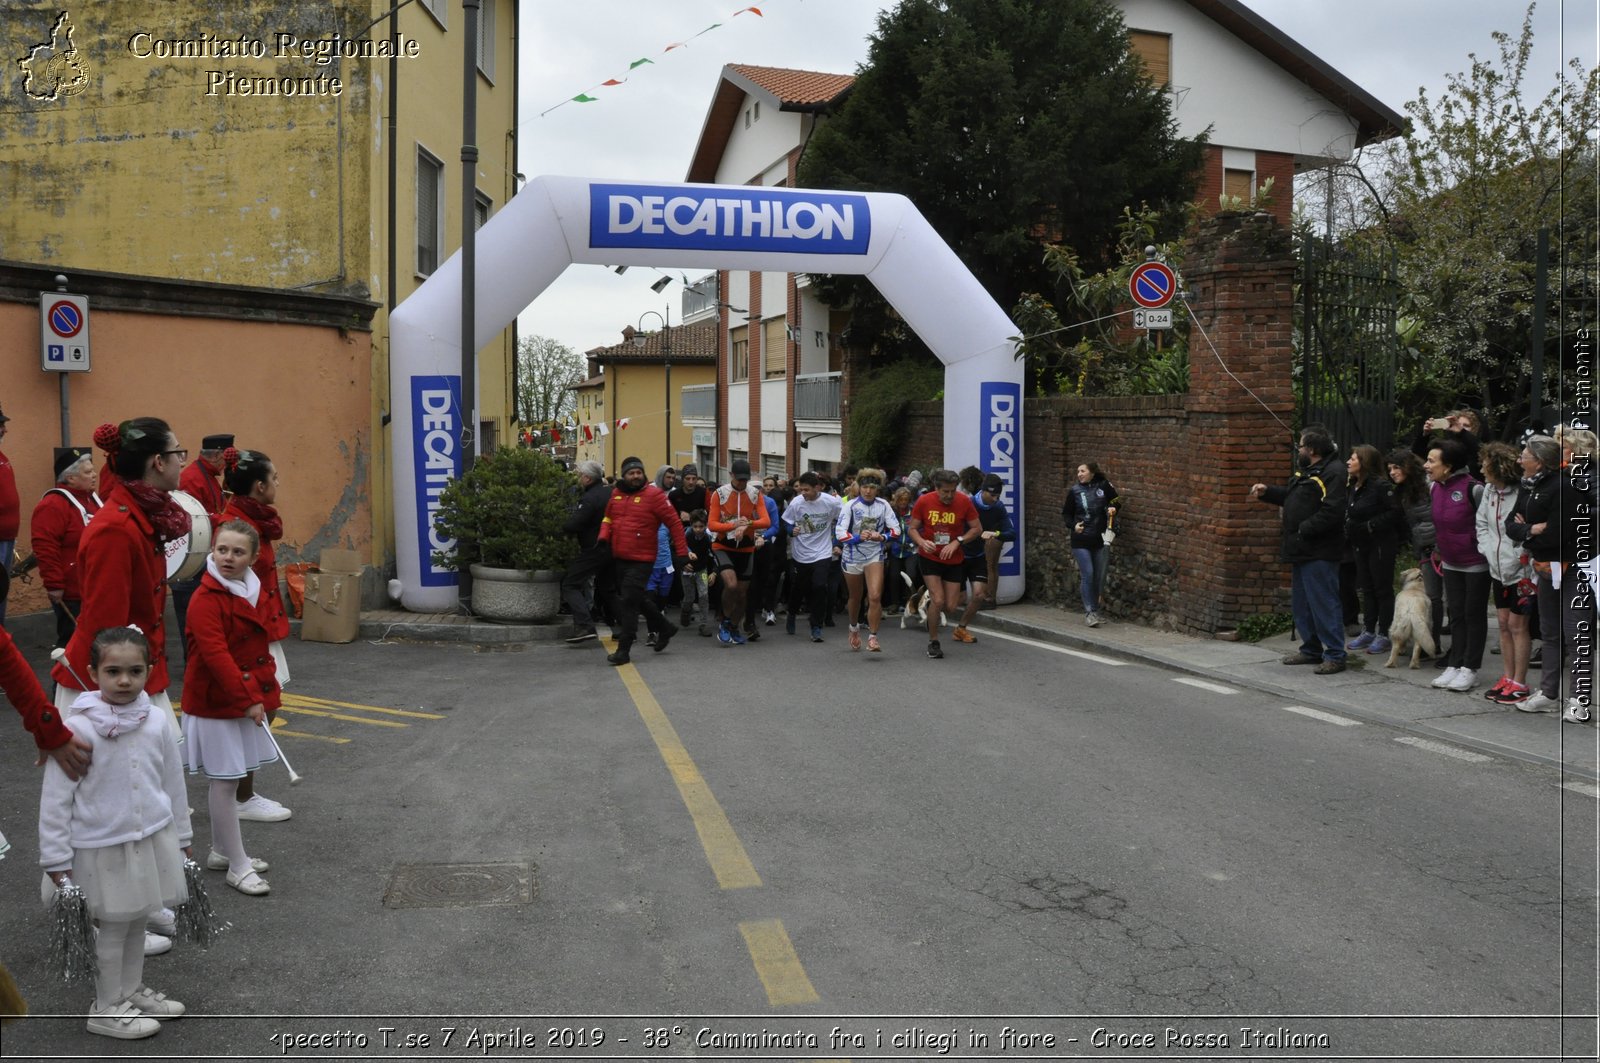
1466 596
1375 575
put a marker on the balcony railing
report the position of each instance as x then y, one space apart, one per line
816 397
699 403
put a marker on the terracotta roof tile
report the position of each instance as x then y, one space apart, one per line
694 343
796 88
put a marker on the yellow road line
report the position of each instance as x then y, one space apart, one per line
341 716
307 699
729 862
777 964
276 730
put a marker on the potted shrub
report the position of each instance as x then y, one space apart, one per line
505 515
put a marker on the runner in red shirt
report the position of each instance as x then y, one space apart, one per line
941 521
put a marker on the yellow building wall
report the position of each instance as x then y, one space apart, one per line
639 393
142 143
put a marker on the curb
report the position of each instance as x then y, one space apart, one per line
465 629
1079 642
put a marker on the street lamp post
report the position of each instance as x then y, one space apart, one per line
666 354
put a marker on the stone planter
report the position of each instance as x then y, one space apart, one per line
516 595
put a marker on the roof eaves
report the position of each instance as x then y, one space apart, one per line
1375 120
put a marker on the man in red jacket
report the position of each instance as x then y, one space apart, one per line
10 512
637 512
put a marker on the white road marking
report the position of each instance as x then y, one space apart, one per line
1440 747
1325 717
1216 688
1055 649
1587 789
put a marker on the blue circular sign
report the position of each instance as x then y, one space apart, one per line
65 319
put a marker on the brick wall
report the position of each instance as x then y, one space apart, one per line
1268 164
1193 553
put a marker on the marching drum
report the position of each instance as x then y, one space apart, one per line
186 555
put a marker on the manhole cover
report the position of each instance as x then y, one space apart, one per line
460 885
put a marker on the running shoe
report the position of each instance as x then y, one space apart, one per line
1512 694
725 634
961 634
816 634
933 649
872 643
738 639
768 618
855 638
1499 685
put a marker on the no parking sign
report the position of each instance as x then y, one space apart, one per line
64 332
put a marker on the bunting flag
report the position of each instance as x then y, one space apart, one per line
555 433
584 97
622 422
604 431
588 436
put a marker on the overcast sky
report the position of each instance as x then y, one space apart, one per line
646 128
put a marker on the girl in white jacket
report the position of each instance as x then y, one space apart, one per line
120 832
1510 572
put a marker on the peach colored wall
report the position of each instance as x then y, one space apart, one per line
298 392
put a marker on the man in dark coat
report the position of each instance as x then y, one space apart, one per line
1313 540
593 556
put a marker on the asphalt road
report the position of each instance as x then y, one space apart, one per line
909 850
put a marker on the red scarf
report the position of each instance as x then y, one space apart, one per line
170 520
263 516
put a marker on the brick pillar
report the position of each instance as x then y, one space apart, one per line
1240 273
758 364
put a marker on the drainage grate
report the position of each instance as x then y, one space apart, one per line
461 885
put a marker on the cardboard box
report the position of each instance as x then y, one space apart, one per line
333 598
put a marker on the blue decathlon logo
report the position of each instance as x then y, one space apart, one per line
436 429
1000 452
729 219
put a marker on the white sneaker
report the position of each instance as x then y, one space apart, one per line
1464 681
1092 619
156 1005
769 618
164 922
1538 703
263 810
1445 678
122 1021
155 944
1577 712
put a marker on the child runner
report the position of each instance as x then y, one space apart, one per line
942 522
229 685
866 524
121 831
695 572
253 481
811 516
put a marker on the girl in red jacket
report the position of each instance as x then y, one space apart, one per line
252 483
229 685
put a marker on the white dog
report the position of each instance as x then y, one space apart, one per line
1413 620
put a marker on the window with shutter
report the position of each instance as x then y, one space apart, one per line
739 353
1154 50
1239 183
774 346
430 218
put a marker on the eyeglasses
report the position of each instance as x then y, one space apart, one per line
183 455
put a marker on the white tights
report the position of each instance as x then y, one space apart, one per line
119 947
226 837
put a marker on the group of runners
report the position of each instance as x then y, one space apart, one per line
861 533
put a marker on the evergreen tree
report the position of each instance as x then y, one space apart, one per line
1011 125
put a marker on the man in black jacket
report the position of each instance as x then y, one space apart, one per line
1313 540
592 556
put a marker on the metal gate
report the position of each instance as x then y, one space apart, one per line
1349 351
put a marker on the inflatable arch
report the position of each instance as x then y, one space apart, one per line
556 221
